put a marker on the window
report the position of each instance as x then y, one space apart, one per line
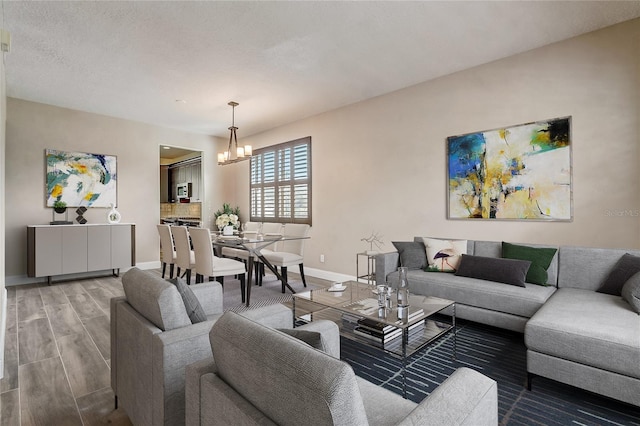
280 183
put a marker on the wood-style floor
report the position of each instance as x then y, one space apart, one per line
57 350
57 355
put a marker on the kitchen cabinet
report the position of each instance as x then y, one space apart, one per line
165 192
188 173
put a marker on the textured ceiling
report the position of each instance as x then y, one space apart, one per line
282 61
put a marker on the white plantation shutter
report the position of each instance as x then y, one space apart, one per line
280 183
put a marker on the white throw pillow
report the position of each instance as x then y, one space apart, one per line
444 255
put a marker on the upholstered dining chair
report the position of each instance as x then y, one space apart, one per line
167 249
289 252
185 257
209 265
249 230
268 229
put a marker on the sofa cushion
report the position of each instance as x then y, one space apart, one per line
507 271
278 374
444 255
155 299
595 329
483 294
540 258
311 338
631 291
587 267
413 254
494 249
626 267
191 302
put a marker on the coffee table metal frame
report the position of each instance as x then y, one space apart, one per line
358 301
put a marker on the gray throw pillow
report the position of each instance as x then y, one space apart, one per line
191 302
312 338
413 254
631 291
627 266
507 271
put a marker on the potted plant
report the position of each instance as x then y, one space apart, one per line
59 206
227 219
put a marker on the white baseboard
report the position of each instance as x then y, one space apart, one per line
149 265
23 279
327 275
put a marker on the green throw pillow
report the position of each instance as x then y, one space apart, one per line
540 258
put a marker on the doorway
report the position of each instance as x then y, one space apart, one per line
181 186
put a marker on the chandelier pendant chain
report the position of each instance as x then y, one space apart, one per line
234 153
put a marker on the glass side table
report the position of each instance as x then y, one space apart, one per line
370 276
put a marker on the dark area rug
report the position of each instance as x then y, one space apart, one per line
501 355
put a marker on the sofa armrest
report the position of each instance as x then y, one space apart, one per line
386 263
193 373
274 316
465 398
217 402
210 297
172 351
329 333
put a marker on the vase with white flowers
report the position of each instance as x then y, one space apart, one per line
227 219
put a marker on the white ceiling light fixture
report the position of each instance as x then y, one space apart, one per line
234 153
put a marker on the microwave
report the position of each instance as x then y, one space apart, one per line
183 190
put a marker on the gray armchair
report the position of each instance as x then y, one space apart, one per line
153 339
268 377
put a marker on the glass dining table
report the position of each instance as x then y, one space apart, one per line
254 247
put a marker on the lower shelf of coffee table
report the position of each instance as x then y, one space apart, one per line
434 327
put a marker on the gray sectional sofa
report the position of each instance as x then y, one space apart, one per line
487 302
573 334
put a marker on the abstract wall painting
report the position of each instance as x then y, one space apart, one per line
81 179
521 172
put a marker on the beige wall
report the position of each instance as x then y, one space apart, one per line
379 165
33 127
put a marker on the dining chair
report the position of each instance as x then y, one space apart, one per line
268 229
167 249
185 257
209 265
289 252
250 230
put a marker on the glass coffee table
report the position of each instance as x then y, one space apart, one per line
355 310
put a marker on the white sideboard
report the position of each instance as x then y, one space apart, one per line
68 249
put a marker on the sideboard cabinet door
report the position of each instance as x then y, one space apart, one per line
74 249
122 246
45 251
99 248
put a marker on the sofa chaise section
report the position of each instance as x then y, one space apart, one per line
584 338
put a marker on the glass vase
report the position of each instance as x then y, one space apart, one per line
402 294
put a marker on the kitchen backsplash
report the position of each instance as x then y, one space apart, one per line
181 210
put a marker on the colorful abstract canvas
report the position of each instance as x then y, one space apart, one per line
81 179
521 172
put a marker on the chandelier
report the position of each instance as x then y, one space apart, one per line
234 153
